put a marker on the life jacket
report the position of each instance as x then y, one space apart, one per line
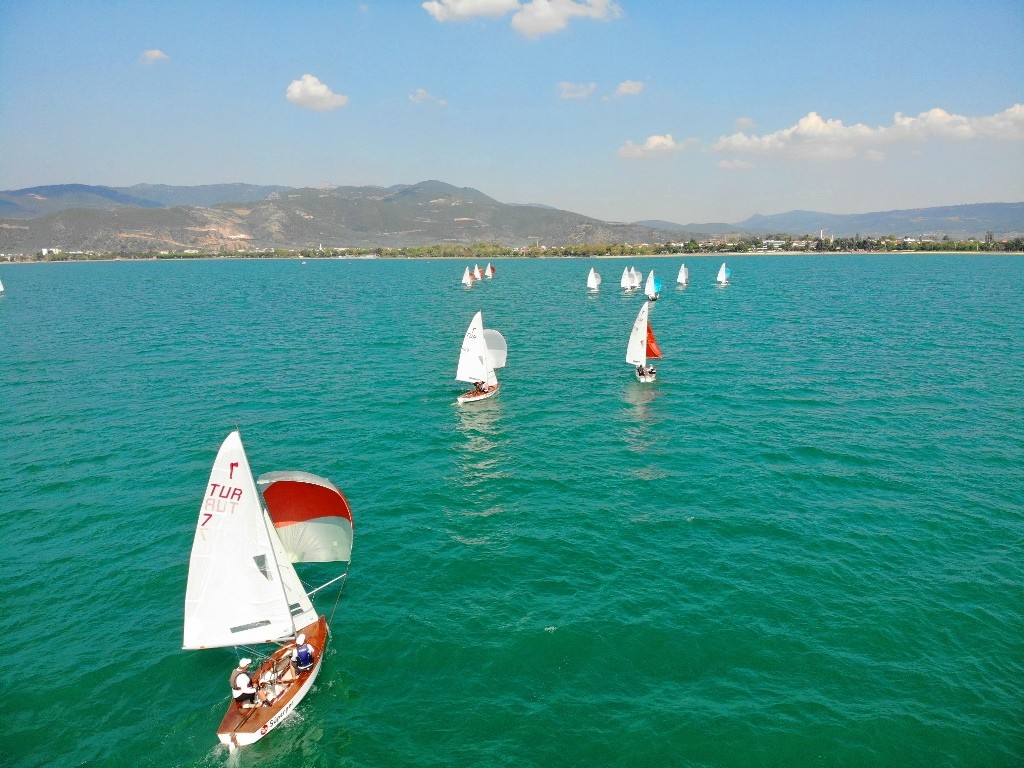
236 689
304 656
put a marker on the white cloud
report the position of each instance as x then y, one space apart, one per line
309 93
735 165
153 55
422 96
815 138
652 147
532 19
460 10
629 88
543 17
576 90
743 124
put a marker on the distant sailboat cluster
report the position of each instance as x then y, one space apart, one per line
475 275
484 350
642 345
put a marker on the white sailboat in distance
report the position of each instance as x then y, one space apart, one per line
593 280
652 288
483 351
642 345
723 274
684 276
243 589
467 278
477 274
626 283
488 271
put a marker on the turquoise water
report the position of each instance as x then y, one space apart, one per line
802 546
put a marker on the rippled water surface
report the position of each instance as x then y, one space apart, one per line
802 546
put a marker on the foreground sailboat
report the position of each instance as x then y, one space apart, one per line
243 590
642 345
593 280
483 351
723 274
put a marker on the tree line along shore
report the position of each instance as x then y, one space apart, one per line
781 244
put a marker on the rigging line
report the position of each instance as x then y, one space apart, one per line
340 589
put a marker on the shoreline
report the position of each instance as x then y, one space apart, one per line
600 257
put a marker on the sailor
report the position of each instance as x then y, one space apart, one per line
302 654
242 690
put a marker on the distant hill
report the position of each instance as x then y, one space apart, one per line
40 201
80 217
363 217
959 222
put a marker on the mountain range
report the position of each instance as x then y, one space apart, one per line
80 217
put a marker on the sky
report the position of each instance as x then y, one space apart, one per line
689 112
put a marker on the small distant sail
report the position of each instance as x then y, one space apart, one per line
637 277
467 278
653 286
593 280
477 274
627 279
723 274
684 275
488 271
311 515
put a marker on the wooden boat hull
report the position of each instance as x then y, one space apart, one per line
243 726
474 396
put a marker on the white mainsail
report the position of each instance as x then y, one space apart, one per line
650 288
467 278
474 360
636 347
242 588
723 275
488 270
684 275
477 274
593 280
627 279
637 278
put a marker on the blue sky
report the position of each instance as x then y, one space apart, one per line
683 111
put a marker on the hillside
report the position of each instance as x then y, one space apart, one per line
362 217
144 217
959 222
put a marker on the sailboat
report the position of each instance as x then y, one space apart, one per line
723 274
467 278
684 276
593 280
637 277
483 351
477 274
1 286
626 283
652 287
243 589
488 271
642 345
